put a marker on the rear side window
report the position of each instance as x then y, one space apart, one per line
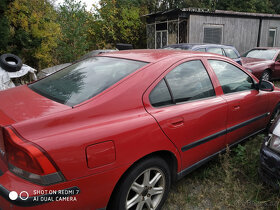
189 81
84 80
215 50
160 95
231 78
230 53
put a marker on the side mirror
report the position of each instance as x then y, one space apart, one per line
266 86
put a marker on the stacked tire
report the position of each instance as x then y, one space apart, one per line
10 62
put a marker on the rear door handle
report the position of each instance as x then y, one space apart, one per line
176 122
236 108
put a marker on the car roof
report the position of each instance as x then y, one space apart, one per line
154 55
266 48
193 45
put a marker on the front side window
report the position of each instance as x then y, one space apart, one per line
189 81
231 78
84 80
230 53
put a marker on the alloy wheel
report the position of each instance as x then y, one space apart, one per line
147 190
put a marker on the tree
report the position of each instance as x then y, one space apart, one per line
34 31
4 26
119 21
261 6
74 22
276 6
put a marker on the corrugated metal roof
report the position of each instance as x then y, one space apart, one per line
192 10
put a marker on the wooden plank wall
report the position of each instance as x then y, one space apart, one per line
266 24
239 32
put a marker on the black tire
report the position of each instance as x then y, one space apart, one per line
5 58
125 193
266 75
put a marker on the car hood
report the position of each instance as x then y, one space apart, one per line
249 62
21 103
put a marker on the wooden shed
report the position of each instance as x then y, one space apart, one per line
193 25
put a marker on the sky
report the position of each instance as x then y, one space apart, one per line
87 2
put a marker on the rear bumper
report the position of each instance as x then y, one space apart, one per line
25 201
91 192
269 169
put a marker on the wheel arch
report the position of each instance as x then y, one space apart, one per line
270 122
269 70
166 155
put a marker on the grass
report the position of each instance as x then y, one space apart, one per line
229 181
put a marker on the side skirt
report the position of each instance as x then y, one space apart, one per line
191 168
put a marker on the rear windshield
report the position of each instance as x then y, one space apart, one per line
261 54
179 47
84 80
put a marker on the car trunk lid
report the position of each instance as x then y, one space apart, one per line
21 103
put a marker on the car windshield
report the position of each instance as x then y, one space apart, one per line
261 54
84 80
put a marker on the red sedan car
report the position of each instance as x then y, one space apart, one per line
113 131
263 62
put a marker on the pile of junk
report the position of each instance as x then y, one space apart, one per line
13 71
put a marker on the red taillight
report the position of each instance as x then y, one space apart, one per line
25 158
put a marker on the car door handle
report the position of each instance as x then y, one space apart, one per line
176 122
236 108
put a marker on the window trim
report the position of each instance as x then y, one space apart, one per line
255 88
169 90
165 73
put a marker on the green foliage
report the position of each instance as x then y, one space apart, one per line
118 21
276 6
240 153
74 23
4 33
34 31
4 26
43 36
261 6
228 182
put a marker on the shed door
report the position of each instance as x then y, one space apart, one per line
161 39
